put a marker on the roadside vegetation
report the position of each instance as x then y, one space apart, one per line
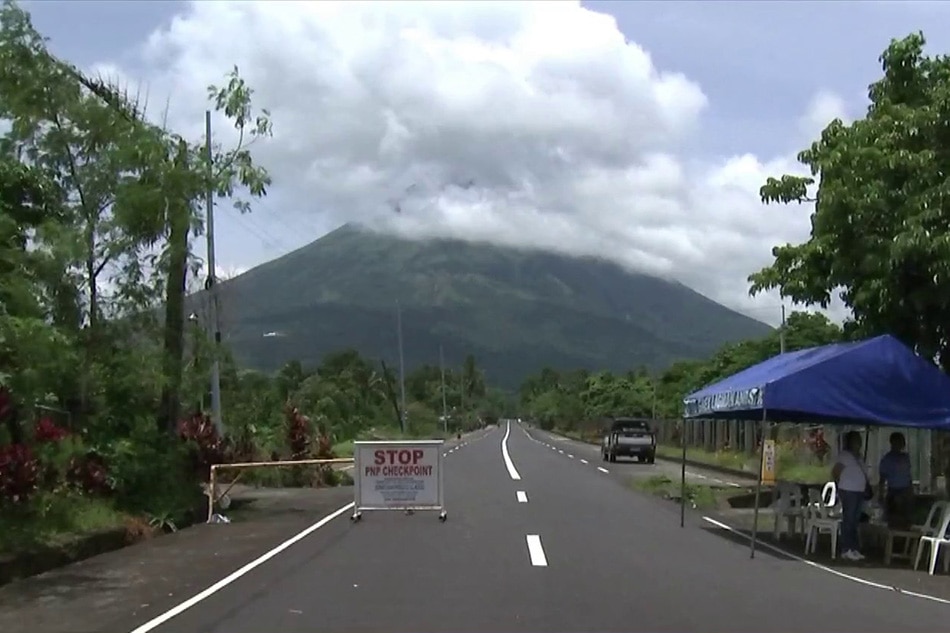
103 379
700 497
573 403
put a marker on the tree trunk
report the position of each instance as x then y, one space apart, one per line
178 216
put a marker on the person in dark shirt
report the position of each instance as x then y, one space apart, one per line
896 490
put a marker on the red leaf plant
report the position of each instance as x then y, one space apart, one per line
209 447
47 432
88 474
298 433
19 473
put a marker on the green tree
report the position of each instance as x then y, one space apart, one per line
879 225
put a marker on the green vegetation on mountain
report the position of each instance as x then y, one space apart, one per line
515 310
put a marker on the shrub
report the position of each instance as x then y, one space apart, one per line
298 433
817 444
298 440
47 432
151 471
19 473
88 474
327 476
206 445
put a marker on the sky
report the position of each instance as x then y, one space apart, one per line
637 131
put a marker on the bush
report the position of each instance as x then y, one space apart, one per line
152 472
47 432
19 474
204 443
88 474
298 433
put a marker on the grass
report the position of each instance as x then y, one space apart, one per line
787 467
701 497
54 520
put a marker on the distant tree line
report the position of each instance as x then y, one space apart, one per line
567 399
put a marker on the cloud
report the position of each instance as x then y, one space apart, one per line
531 124
823 108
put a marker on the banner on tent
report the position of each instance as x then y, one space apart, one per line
728 401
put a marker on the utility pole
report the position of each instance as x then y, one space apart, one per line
781 333
445 410
212 287
654 398
402 371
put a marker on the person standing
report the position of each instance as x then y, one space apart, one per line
850 476
896 487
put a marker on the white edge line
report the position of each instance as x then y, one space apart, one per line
583 461
227 580
824 568
512 471
522 496
602 469
536 551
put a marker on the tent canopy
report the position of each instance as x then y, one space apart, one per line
878 381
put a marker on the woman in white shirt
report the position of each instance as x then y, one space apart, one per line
850 476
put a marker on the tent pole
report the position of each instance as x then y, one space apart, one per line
683 476
867 438
758 485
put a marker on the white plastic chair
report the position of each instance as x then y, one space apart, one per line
818 520
935 538
789 508
930 526
829 495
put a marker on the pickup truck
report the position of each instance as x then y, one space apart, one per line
628 437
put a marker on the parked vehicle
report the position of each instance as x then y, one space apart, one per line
628 437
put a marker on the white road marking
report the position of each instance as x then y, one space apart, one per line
512 471
560 451
536 551
602 469
227 580
583 461
700 476
823 568
733 484
571 456
522 496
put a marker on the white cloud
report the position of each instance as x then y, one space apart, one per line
533 124
823 108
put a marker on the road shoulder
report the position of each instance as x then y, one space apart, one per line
118 590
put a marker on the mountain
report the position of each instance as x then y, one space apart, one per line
515 310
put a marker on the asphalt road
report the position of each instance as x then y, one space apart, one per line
626 468
545 543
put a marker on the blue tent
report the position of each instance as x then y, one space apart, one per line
878 381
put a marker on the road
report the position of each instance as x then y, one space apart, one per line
539 542
626 468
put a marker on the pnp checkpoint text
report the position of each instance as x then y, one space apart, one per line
398 462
